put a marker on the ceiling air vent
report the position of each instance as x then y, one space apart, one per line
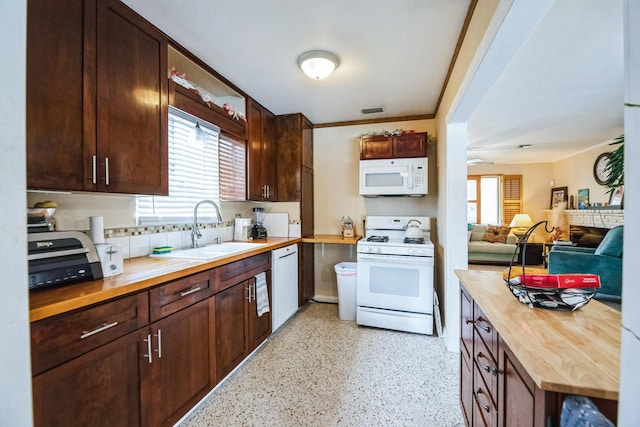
372 110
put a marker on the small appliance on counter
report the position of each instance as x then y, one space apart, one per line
242 229
111 259
59 258
258 231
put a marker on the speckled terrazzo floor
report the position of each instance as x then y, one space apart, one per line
320 371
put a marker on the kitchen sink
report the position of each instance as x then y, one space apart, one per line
211 252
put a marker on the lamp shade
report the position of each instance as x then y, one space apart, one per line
521 221
318 64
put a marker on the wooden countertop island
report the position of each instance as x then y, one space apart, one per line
563 352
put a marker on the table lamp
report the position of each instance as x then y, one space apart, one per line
520 224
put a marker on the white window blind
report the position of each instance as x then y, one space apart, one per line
193 173
233 162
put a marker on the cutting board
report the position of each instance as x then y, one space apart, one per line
277 224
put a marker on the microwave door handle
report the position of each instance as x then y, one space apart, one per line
410 178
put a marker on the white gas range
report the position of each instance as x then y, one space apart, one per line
395 276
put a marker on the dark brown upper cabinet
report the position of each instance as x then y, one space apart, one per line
406 145
261 153
97 94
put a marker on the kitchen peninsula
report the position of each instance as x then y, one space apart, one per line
517 364
144 347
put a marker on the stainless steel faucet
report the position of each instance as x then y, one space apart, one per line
195 232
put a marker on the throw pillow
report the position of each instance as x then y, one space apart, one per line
496 234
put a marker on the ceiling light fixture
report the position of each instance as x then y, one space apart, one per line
318 64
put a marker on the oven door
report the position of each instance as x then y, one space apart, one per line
403 283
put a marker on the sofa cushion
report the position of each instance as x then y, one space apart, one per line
477 232
496 234
488 247
611 244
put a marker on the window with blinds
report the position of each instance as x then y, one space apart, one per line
233 160
194 171
511 197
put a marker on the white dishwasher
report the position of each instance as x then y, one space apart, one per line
284 284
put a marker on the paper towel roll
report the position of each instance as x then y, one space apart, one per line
96 225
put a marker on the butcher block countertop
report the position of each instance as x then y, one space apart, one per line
331 238
139 274
567 352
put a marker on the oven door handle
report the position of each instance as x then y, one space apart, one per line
413 260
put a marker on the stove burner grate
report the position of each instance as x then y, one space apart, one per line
414 240
378 239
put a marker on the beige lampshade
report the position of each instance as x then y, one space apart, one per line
521 221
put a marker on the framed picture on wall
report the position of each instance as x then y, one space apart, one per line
558 195
583 198
617 197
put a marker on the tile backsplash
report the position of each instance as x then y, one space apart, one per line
140 241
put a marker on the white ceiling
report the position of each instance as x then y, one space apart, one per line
562 93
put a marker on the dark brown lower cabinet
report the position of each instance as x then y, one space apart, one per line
306 273
231 339
239 329
99 388
181 368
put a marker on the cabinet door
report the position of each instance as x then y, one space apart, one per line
516 393
259 327
231 338
269 135
289 157
255 183
466 388
60 115
182 368
410 145
306 204
306 273
99 388
376 147
132 96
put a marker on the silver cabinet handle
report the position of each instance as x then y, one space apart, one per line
159 349
249 293
94 161
103 327
268 192
486 368
149 354
106 168
482 324
477 396
189 292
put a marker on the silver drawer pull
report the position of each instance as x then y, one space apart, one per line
189 292
486 368
477 396
482 324
159 350
104 327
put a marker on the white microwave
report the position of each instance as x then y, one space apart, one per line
394 177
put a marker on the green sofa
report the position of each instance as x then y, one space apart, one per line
605 261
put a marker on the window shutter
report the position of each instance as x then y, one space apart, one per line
512 197
233 183
193 172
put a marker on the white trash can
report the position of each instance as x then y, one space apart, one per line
347 273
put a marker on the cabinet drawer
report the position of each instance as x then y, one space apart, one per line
486 330
485 412
173 296
58 339
466 323
485 364
238 271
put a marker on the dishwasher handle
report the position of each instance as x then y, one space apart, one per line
286 255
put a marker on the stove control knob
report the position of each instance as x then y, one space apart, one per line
377 249
412 251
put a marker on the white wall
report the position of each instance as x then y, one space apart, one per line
15 361
336 157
